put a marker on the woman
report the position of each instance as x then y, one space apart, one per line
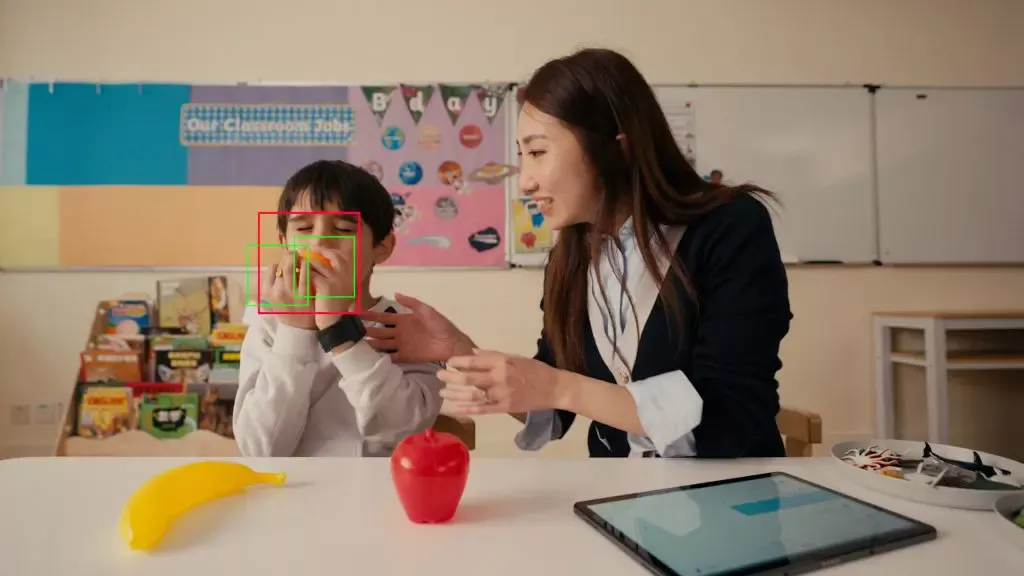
668 285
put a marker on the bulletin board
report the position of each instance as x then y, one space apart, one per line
168 175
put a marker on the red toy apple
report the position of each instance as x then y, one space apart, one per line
430 472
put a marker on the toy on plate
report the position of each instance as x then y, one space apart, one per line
872 458
934 472
991 473
932 469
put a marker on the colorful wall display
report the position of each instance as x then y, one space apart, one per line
440 150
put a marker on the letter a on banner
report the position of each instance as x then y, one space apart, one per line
379 99
416 99
455 97
491 98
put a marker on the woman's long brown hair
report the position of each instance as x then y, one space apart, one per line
602 97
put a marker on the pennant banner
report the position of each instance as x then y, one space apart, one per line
416 99
454 97
491 97
379 99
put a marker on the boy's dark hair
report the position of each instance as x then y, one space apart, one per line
346 185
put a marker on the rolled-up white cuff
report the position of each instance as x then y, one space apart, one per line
669 408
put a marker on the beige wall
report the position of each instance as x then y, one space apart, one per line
43 317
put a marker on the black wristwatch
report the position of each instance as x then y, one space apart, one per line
348 328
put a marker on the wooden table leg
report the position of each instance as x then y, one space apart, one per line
936 381
884 397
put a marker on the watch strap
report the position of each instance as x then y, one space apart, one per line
348 328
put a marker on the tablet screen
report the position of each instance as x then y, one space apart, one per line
747 525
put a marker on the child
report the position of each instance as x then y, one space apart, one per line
310 385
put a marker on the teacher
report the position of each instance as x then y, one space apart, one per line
665 297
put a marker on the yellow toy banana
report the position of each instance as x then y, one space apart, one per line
166 496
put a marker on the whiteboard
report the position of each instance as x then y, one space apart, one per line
950 189
810 145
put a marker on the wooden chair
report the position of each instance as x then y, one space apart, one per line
800 429
463 428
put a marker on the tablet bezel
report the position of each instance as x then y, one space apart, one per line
802 562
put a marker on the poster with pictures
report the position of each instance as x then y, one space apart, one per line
440 149
682 120
681 113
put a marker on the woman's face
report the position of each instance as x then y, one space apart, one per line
554 170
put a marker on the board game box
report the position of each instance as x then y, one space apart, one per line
169 415
186 366
185 304
104 411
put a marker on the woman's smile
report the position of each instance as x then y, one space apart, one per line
544 205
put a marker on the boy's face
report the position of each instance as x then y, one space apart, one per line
301 227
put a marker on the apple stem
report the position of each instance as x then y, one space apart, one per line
429 434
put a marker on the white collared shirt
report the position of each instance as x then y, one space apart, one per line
668 405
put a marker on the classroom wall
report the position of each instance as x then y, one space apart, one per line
828 360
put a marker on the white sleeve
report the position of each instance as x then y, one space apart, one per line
669 408
275 381
391 401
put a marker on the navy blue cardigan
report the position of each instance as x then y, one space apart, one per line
729 345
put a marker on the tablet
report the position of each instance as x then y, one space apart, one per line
770 523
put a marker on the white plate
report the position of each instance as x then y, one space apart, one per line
939 495
1007 508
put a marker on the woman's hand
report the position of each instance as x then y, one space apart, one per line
493 382
280 295
422 335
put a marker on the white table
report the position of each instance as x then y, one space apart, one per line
341 517
936 360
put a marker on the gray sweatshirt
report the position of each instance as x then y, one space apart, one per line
296 400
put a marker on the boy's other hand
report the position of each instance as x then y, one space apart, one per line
335 286
277 290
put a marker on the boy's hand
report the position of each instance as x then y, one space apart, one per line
277 289
331 282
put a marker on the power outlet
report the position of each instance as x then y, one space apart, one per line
45 414
21 415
